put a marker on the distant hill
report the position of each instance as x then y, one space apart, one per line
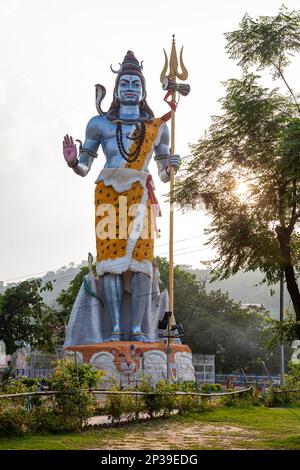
60 280
243 287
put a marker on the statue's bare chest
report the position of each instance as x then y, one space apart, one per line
110 143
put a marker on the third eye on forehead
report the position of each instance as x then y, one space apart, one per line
128 80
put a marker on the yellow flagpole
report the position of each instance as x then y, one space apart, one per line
173 73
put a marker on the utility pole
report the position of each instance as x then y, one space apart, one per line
281 318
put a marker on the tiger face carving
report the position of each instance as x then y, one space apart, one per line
127 362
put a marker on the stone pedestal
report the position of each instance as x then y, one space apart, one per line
128 361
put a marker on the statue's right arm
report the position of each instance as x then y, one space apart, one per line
88 151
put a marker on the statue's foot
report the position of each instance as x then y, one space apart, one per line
116 336
139 337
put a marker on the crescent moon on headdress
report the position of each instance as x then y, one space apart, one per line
164 70
116 71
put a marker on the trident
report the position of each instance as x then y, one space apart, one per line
169 83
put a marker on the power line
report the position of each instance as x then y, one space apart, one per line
143 295
196 281
137 296
45 272
119 265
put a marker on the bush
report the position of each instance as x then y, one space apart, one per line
14 386
65 411
189 403
123 405
132 405
189 386
292 382
230 400
13 421
256 397
211 388
113 407
271 398
44 419
67 373
250 398
166 396
30 383
74 403
158 399
152 403
292 378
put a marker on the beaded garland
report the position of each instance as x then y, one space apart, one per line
130 156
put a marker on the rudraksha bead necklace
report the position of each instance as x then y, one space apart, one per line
141 132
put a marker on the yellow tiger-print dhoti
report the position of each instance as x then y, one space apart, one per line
124 219
112 248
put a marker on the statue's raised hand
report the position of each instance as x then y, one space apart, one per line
69 151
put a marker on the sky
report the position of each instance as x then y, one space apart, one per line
52 54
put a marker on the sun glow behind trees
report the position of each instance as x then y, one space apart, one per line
242 190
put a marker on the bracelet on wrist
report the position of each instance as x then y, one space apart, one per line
73 164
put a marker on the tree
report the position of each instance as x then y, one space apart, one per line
215 324
67 297
245 170
22 315
52 329
186 289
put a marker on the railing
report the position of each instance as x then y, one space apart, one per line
201 377
292 390
135 393
33 373
128 392
241 379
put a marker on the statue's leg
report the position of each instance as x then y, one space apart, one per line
113 292
140 293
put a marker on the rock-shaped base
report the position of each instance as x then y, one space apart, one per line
128 361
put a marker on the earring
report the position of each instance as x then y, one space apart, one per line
116 98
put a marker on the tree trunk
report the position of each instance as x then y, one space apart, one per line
284 239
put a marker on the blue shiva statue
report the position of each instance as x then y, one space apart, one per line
125 202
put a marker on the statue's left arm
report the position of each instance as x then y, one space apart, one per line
163 158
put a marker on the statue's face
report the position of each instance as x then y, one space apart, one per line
130 90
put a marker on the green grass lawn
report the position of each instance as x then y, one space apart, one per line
220 428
